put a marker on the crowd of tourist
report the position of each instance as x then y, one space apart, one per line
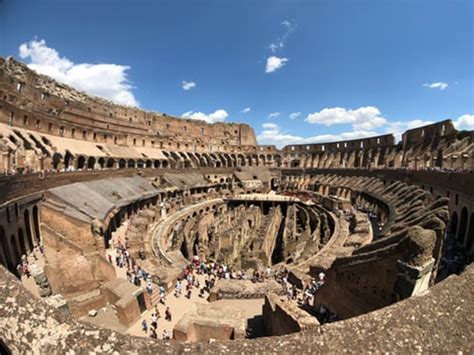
212 271
28 265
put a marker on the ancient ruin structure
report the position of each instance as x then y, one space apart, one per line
384 221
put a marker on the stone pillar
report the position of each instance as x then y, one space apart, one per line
412 280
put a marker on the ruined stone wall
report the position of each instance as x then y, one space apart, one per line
75 262
45 105
433 146
285 317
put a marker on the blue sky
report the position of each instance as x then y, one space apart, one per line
349 68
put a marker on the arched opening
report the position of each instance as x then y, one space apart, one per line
68 158
101 162
90 163
131 163
36 224
148 163
462 225
110 163
56 160
165 164
21 242
295 163
10 261
81 162
241 160
140 163
26 216
122 164
16 255
156 164
278 160
196 246
184 249
274 183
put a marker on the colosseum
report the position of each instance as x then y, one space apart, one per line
120 225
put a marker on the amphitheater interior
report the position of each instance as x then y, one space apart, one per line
391 226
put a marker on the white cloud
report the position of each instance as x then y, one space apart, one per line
465 122
188 85
274 63
438 85
270 125
280 41
273 114
272 134
294 115
216 116
246 110
104 80
363 118
275 46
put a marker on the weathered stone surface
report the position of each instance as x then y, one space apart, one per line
412 325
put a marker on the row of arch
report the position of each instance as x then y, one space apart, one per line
173 160
19 240
371 158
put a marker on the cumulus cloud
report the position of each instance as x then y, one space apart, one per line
274 63
273 114
294 115
188 85
246 110
465 122
272 134
104 80
216 116
438 85
363 118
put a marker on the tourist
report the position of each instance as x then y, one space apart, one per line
153 334
144 326
321 279
162 294
168 314
154 320
149 288
166 335
177 290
